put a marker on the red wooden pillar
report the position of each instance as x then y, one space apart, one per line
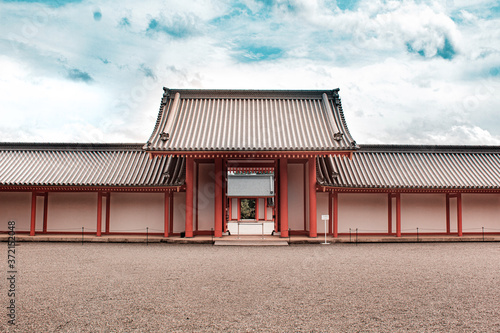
313 223
218 198
225 212
189 197
275 211
166 214
459 214
398 215
283 197
265 209
33 214
335 214
99 214
448 213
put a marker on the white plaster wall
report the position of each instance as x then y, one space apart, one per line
133 212
269 216
15 206
71 211
427 212
296 196
179 212
206 196
453 215
234 209
322 209
103 215
365 211
251 228
262 209
394 212
480 210
40 208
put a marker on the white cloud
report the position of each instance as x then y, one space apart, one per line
386 90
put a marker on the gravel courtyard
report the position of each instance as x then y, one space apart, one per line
70 287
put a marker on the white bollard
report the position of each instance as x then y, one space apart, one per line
325 218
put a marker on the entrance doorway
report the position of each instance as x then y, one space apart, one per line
251 199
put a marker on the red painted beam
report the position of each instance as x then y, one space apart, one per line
33 214
459 214
398 215
313 223
218 198
189 197
99 214
284 196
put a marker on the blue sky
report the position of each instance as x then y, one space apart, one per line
414 72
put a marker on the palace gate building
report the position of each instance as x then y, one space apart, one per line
250 162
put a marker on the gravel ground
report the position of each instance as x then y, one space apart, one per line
69 287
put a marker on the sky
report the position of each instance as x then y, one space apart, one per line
409 72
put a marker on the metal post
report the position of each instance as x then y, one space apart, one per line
349 235
238 229
263 230
212 233
147 236
289 229
417 235
82 235
483 234
356 236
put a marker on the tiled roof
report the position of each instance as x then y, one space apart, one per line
414 167
250 120
115 165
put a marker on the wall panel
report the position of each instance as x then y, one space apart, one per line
322 209
133 212
480 210
365 211
69 212
15 206
296 194
206 196
179 212
427 212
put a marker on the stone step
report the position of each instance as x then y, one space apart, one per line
251 243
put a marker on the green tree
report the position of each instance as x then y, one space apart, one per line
247 209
